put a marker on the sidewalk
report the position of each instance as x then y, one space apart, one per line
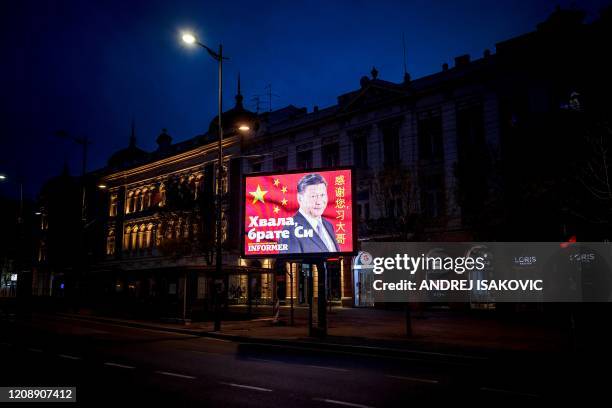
379 331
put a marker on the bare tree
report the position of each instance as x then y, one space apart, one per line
392 192
595 174
192 211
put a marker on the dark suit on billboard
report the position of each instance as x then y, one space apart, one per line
312 244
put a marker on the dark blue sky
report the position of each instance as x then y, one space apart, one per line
91 66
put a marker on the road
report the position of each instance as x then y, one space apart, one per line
111 364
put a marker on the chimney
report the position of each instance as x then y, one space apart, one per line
462 60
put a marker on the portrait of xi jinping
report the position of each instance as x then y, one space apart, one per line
311 232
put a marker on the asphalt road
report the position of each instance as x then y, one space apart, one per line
112 364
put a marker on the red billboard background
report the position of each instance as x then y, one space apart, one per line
273 197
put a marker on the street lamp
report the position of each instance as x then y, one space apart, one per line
190 39
3 177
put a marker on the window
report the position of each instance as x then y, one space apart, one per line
360 151
433 199
391 145
430 136
280 164
110 243
304 159
134 240
148 236
126 239
162 195
128 202
113 205
470 131
42 252
137 201
330 155
256 165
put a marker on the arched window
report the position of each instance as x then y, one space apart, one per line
148 235
134 234
137 200
126 239
148 197
169 230
112 211
162 195
110 242
141 233
128 202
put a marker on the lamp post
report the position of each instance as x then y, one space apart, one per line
3 177
84 142
190 39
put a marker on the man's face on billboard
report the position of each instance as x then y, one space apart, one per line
313 200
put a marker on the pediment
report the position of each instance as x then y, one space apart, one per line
371 95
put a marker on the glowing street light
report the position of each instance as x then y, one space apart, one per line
102 186
219 287
189 38
2 177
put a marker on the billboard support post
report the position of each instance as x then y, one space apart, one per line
291 292
309 285
322 298
249 292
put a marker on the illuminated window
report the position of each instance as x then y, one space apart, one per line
134 240
149 198
110 243
162 195
148 236
141 237
137 201
126 239
128 202
113 205
42 252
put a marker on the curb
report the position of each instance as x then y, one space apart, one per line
305 346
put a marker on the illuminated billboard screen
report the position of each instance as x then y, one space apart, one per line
295 214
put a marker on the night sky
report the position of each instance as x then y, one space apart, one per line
89 67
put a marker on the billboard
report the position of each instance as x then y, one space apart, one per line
297 214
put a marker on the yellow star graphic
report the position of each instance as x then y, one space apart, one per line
284 201
276 182
276 210
258 195
284 189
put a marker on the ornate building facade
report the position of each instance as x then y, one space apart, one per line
436 158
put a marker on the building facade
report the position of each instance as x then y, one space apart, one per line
436 158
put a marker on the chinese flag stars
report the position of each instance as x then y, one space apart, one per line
276 209
276 182
258 195
284 201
